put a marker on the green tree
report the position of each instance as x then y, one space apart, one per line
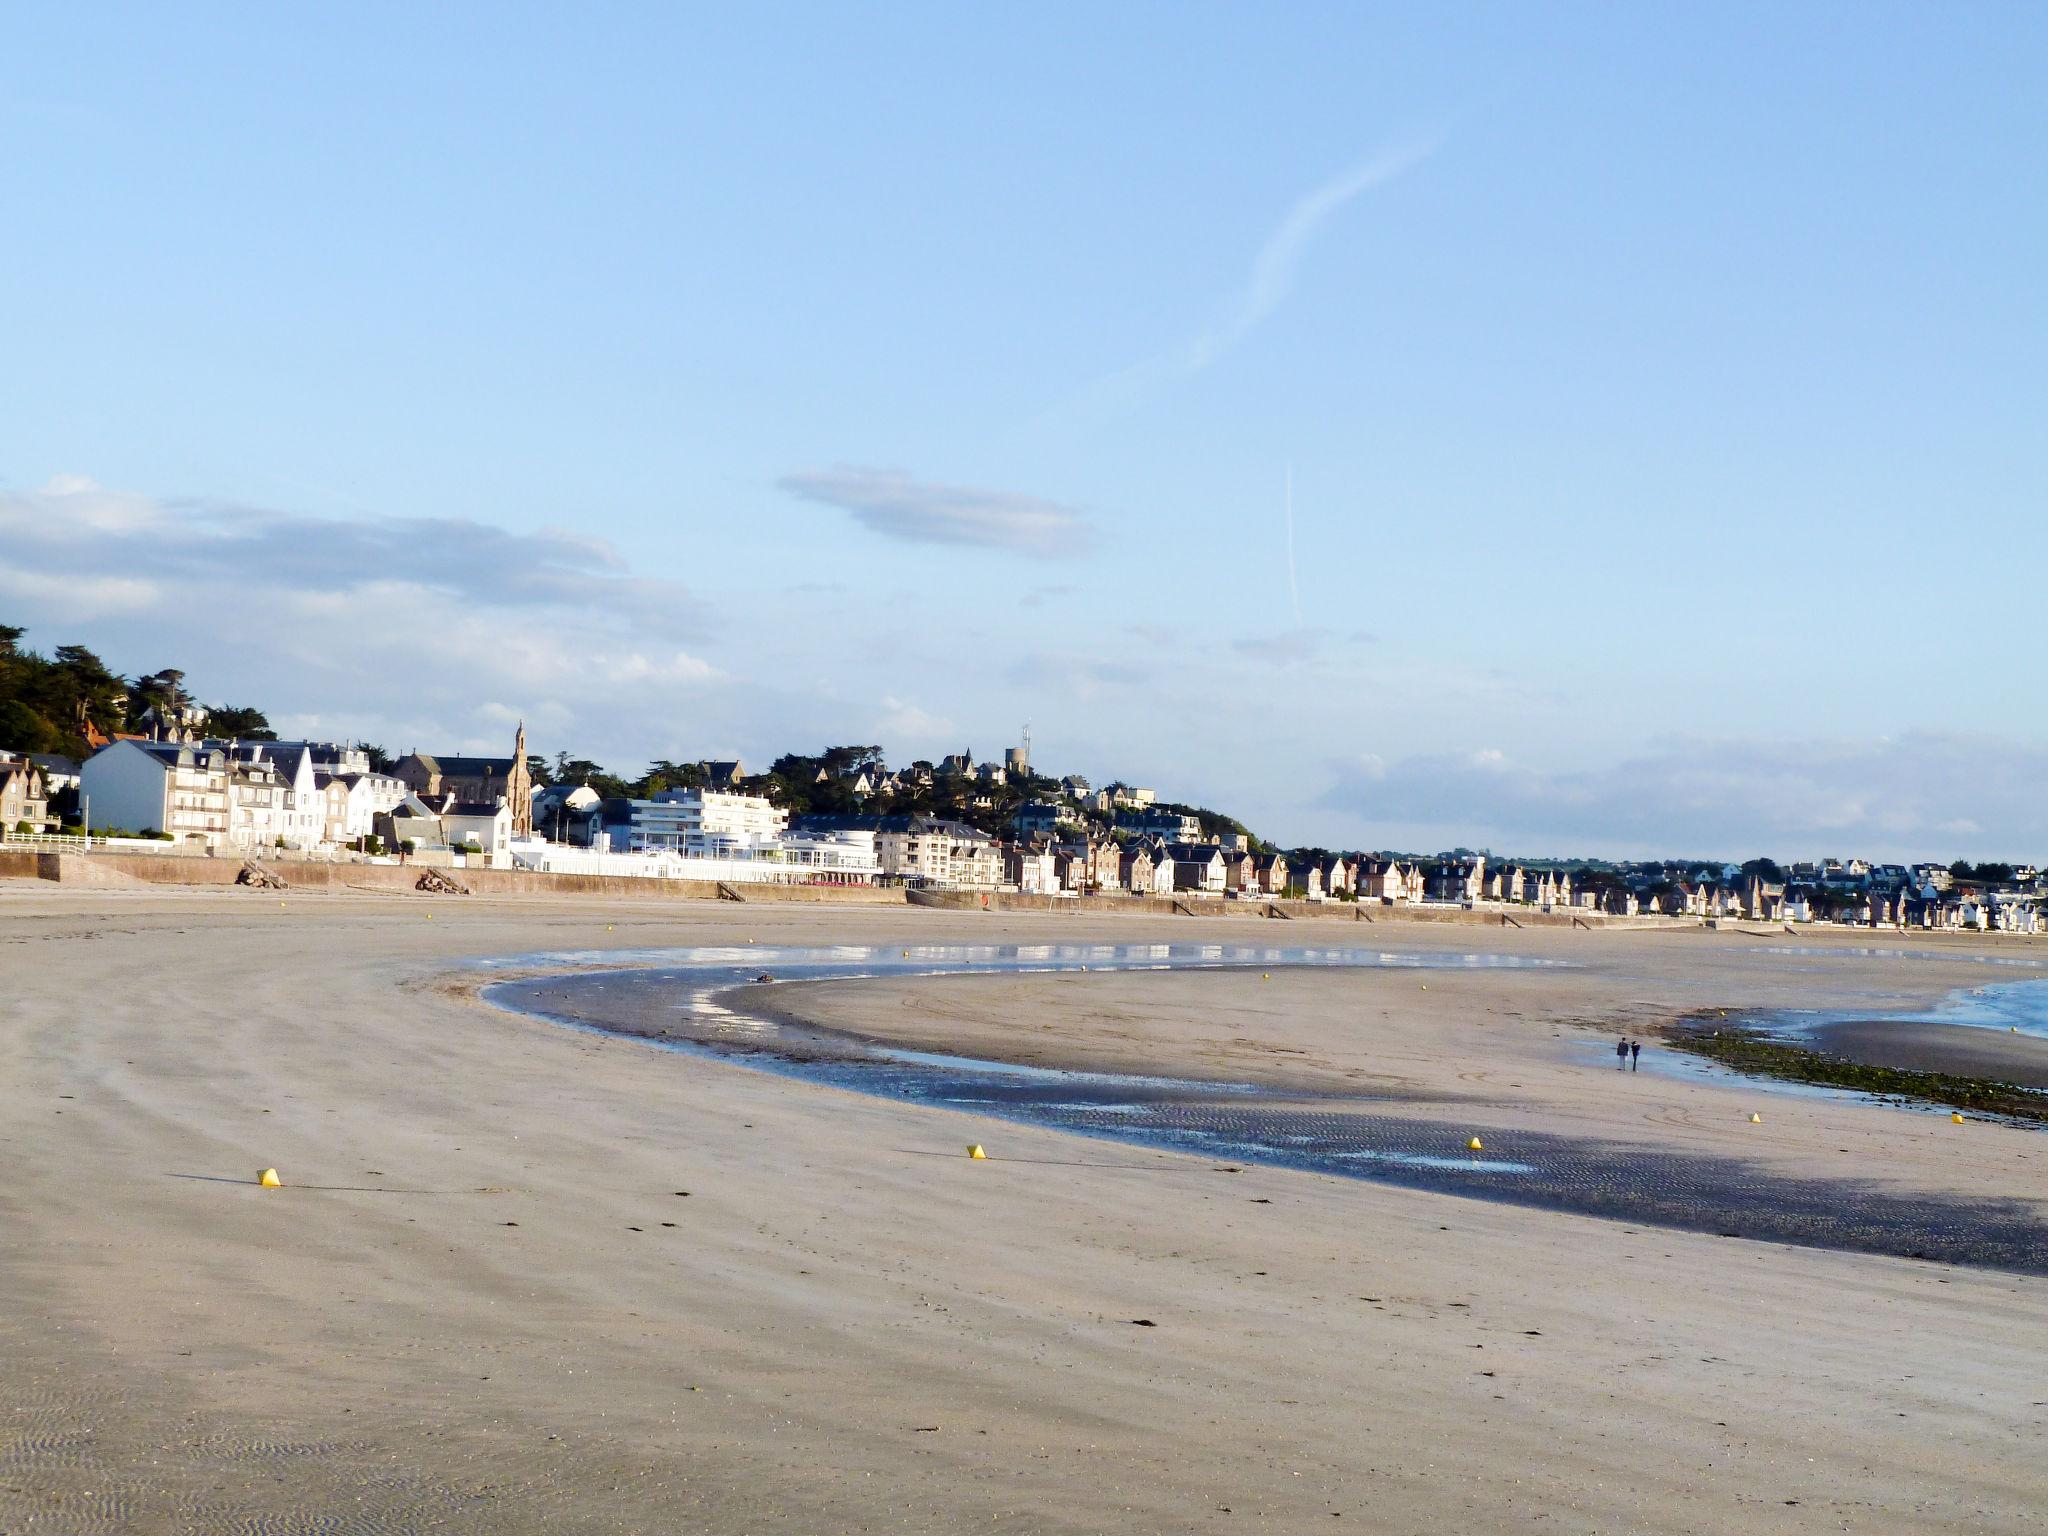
231 723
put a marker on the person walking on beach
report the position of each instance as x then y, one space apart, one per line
1621 1054
1635 1053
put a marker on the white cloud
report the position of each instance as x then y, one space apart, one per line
902 720
76 596
919 512
75 532
1076 675
1919 795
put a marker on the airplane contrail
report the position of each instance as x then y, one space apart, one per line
1266 287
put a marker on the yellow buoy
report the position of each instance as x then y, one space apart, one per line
1756 1119
269 1180
1475 1145
1957 1117
1265 975
977 1154
1425 986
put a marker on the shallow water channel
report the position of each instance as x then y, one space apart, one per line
704 1002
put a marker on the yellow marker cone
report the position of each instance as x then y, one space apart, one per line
1756 1119
1475 1145
269 1180
1957 1117
977 1154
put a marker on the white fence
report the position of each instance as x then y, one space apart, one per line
57 842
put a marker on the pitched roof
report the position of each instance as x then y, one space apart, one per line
468 767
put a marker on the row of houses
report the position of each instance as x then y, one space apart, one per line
235 794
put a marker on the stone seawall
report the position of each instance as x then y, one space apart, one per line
1323 911
131 870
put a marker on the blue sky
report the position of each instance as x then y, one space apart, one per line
1661 390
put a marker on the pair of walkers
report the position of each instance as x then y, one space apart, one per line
1627 1053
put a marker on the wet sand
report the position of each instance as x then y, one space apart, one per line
468 1310
1918 1047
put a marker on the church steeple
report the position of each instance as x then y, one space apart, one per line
519 786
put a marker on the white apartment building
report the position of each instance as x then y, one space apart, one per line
152 786
706 822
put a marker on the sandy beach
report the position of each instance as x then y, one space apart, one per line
523 1277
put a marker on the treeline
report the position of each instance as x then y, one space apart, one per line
793 782
61 702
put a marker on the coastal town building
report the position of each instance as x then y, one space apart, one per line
703 822
411 826
472 779
173 788
24 795
479 827
1197 867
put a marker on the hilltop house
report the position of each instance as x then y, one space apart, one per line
1036 818
1171 826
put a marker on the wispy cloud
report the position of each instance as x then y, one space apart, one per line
1076 676
891 503
1271 279
1284 648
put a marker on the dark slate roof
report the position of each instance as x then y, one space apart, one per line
468 767
51 762
474 808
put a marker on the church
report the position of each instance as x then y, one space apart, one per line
474 780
